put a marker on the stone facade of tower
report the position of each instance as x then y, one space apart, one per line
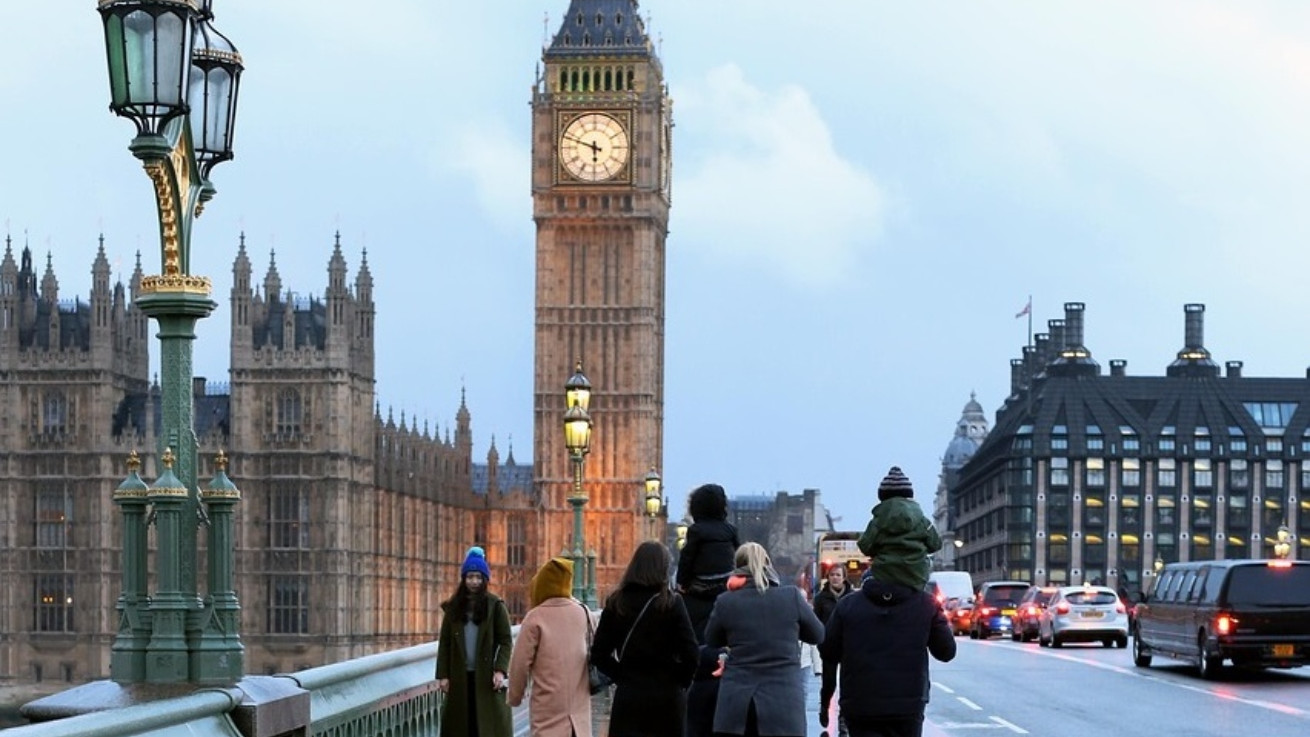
73 384
601 165
351 525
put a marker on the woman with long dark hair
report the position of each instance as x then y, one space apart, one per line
473 653
645 643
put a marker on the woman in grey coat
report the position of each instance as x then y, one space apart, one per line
762 691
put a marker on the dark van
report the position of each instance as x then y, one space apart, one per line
1254 613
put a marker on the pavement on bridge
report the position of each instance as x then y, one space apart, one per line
600 714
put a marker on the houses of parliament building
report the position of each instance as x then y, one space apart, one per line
352 524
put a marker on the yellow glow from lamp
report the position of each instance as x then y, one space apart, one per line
577 430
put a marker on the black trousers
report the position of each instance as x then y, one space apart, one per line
910 725
472 705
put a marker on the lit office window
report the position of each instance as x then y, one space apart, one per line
1096 472
1130 472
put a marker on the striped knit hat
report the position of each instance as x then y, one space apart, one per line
895 484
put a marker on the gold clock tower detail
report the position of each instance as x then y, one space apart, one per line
601 165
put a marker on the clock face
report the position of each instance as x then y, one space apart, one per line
593 147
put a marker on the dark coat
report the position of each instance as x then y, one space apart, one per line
493 652
899 539
881 637
650 694
761 629
826 600
708 553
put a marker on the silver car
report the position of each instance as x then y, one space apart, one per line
1084 614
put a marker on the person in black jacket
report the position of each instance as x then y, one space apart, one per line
881 637
645 644
706 559
704 565
835 586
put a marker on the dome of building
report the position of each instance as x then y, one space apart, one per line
970 431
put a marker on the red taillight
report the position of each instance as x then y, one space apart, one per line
986 611
1062 608
1224 624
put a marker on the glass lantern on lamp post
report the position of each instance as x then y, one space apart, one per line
577 439
176 78
1283 543
654 502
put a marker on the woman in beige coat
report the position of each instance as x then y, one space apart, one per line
551 651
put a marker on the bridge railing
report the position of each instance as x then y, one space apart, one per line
391 693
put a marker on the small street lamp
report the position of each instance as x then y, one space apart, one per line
654 502
577 439
682 534
1283 543
176 78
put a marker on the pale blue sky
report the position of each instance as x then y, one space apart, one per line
864 195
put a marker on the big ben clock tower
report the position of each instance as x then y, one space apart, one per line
601 165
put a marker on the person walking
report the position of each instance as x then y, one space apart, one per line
473 653
878 641
551 653
645 644
835 586
762 691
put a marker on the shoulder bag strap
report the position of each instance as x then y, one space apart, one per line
634 626
591 632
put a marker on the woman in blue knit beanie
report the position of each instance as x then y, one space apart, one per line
473 653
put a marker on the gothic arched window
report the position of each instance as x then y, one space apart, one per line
290 413
54 413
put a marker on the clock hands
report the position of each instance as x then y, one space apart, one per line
595 148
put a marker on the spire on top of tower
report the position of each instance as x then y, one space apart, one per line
272 280
601 27
49 284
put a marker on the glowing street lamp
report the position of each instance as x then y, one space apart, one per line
577 439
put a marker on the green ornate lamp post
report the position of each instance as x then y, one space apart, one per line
176 78
577 439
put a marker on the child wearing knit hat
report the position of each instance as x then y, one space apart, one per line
899 537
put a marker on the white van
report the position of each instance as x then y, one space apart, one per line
952 585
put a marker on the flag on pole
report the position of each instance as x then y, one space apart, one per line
1027 309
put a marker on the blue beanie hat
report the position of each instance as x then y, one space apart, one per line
475 562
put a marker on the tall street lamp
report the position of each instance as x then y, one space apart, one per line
176 77
577 439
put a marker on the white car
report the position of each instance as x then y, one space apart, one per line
1084 614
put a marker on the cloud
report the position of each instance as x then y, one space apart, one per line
492 158
767 184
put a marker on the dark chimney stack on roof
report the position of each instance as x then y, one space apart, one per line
1074 359
1193 360
1118 367
1016 377
1235 370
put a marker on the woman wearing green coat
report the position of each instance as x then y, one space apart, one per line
473 653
